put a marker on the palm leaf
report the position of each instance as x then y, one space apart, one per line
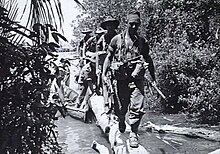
77 2
43 12
46 12
12 9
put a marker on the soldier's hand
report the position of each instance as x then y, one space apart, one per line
104 79
154 84
145 64
98 72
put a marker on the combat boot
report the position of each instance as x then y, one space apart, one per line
122 125
133 140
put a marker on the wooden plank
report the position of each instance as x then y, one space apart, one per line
97 105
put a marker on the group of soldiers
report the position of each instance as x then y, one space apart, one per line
93 50
121 60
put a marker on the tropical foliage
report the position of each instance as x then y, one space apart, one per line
182 36
27 117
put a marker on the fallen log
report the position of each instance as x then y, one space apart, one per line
99 148
96 103
190 132
118 141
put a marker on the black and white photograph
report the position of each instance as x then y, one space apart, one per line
110 77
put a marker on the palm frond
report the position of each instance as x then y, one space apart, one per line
44 12
12 9
80 4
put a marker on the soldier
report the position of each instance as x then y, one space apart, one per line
110 24
82 46
65 70
87 80
91 50
82 43
91 43
128 55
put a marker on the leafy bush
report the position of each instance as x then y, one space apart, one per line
27 118
181 36
186 56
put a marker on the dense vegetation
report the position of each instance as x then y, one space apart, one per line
184 40
26 116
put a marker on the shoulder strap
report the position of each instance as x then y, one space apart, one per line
122 45
104 42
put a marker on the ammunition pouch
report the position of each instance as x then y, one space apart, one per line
119 71
124 71
101 57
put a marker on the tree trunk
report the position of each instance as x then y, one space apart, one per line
119 142
192 132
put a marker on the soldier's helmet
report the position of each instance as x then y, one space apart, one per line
110 21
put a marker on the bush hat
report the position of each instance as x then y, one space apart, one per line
110 21
134 16
87 31
100 30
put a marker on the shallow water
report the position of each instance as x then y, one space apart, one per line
76 137
160 143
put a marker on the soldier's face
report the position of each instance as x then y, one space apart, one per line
133 27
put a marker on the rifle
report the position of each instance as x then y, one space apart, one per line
112 92
140 59
157 89
133 60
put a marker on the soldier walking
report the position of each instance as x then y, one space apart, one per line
128 58
110 24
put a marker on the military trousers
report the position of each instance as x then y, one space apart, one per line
130 98
86 90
